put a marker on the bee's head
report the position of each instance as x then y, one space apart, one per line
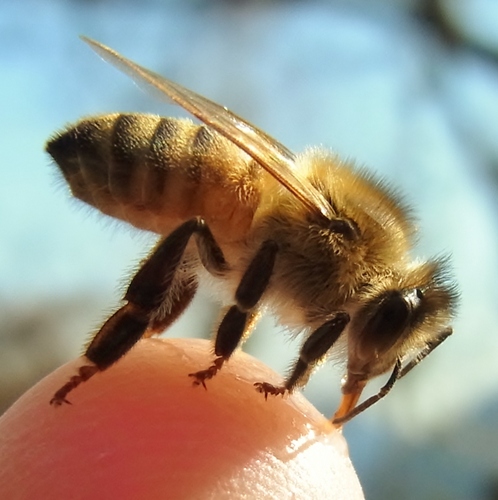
397 317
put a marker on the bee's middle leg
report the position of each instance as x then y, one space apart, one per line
240 318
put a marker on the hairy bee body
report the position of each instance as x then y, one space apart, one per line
323 244
155 173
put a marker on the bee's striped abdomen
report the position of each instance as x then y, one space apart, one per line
154 172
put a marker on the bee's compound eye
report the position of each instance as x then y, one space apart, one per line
385 320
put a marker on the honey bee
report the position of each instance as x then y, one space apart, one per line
322 244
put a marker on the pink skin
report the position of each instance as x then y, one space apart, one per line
140 430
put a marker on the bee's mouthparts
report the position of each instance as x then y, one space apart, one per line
351 392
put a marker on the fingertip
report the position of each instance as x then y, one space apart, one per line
144 425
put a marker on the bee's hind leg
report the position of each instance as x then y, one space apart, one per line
313 350
120 332
239 320
146 296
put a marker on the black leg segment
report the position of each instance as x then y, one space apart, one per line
313 350
230 332
154 278
257 276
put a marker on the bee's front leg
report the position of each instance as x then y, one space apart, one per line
313 350
241 317
341 417
145 298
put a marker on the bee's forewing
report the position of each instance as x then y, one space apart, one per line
271 155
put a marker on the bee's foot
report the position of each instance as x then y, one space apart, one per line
59 400
266 388
84 373
201 376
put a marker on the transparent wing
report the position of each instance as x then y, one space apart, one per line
275 158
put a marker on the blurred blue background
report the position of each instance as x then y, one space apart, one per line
407 87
